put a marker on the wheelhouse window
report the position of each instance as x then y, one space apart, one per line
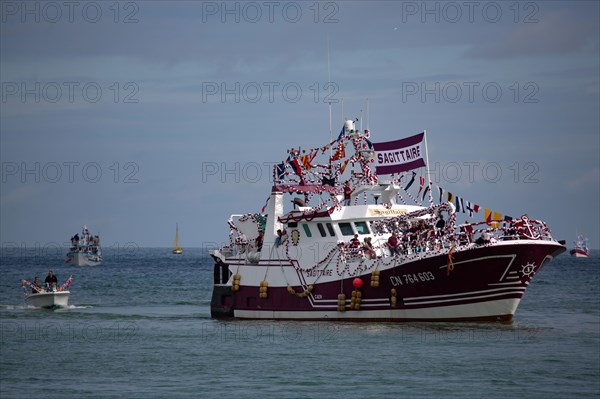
306 230
330 229
292 224
321 229
346 229
361 228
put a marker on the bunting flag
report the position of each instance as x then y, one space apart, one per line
425 192
508 218
488 215
441 190
339 153
449 196
265 206
469 208
66 284
343 168
412 180
280 170
306 160
421 183
462 205
328 182
369 144
342 134
400 155
497 216
296 167
476 208
457 203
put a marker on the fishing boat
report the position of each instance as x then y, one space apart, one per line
581 249
365 253
176 249
84 250
48 297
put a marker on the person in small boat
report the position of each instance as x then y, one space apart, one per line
35 286
51 281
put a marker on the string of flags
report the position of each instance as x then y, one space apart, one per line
400 156
462 205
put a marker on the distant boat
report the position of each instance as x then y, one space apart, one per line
85 250
176 249
581 249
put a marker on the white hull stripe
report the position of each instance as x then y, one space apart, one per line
469 310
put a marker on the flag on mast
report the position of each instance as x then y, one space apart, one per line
400 155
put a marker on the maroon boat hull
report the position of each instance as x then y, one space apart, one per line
480 283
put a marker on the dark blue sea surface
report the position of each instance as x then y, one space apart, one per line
139 326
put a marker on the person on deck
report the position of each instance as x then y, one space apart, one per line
355 242
440 224
368 248
281 237
347 193
259 240
393 244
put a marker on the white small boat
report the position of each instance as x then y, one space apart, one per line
48 300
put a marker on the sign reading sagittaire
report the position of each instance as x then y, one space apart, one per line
400 155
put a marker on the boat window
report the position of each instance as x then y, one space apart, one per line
321 229
361 228
306 230
330 229
292 224
346 229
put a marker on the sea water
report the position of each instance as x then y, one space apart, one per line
139 326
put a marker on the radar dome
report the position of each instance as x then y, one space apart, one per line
349 126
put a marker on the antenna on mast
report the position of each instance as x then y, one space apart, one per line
367 114
361 120
329 102
329 85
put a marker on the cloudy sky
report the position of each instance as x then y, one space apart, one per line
133 116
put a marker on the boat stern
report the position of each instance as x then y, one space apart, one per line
222 301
